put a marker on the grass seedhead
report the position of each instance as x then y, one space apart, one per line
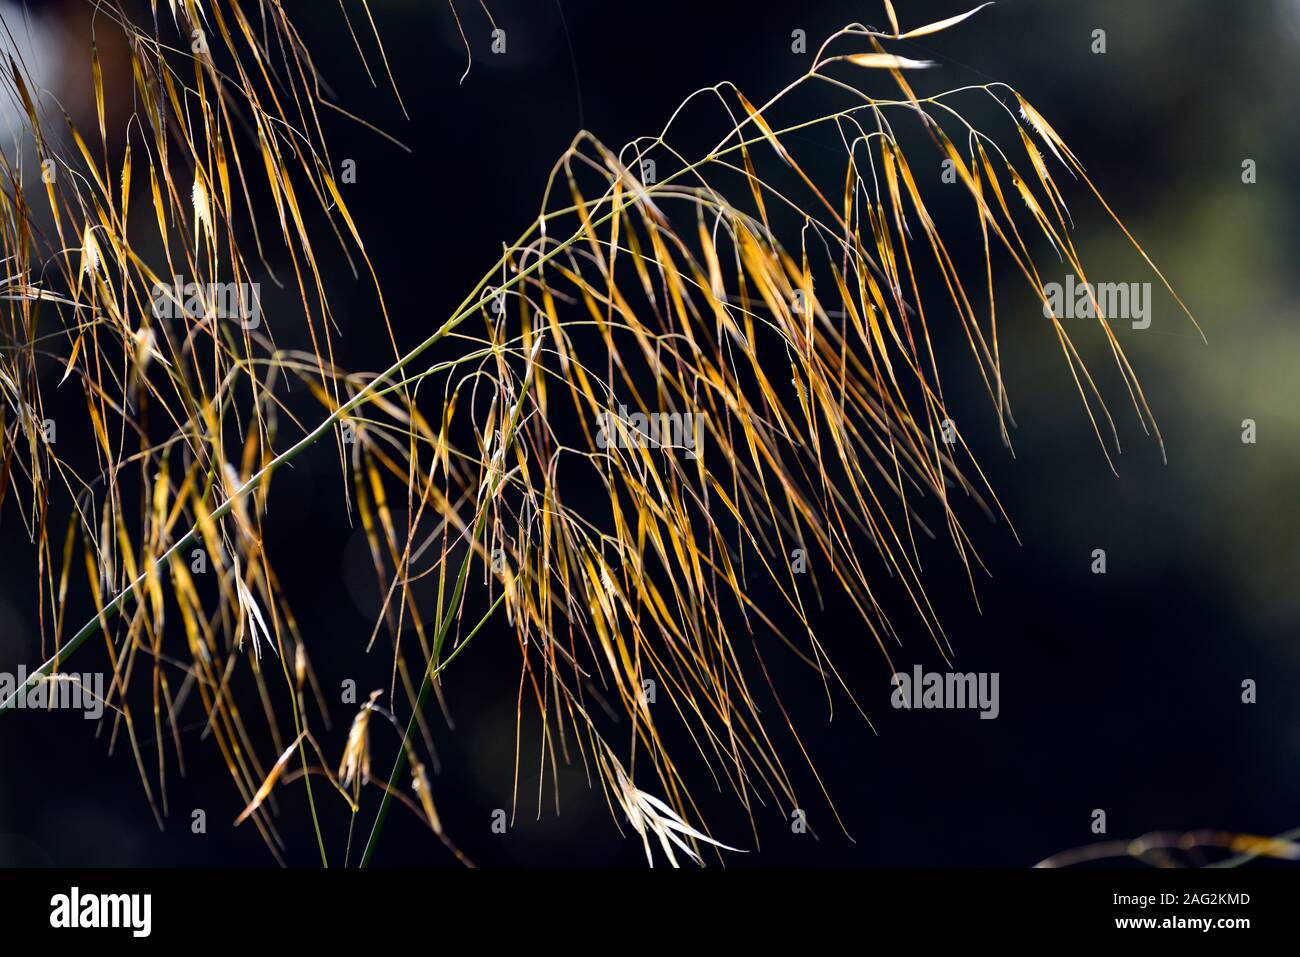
690 374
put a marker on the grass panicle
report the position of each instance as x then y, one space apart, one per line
775 309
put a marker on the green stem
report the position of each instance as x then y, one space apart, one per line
432 666
400 764
440 668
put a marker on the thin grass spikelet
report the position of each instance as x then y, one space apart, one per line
424 791
888 61
256 623
649 815
202 208
354 769
91 257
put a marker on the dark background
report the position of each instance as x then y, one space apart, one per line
1120 692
